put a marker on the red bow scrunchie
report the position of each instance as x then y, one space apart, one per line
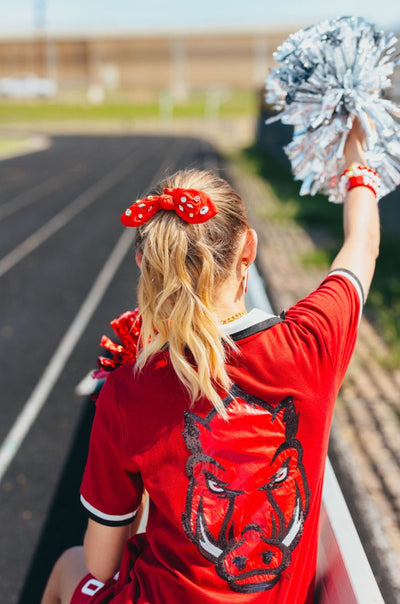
191 205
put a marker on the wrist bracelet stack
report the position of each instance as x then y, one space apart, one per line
359 176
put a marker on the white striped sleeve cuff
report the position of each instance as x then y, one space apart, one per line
344 272
107 519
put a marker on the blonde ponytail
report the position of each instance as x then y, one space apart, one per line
182 264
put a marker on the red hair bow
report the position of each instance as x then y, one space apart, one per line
191 205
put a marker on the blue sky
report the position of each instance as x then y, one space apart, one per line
19 16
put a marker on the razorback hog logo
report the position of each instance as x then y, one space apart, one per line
248 495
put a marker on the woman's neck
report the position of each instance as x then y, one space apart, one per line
228 304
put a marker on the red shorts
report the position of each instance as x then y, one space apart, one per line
90 591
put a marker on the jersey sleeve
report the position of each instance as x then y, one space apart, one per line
329 318
110 493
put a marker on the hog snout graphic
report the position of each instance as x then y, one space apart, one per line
253 562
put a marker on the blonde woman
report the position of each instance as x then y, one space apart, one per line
225 415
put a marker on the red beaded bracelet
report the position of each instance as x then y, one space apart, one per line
359 176
361 181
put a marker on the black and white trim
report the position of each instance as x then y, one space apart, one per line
254 321
344 272
353 278
253 329
107 519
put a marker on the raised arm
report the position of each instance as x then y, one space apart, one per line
360 221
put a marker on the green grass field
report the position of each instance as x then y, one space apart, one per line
213 104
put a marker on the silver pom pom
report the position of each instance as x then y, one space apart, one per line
327 74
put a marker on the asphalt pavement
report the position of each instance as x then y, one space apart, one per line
66 269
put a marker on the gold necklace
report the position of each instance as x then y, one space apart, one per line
234 317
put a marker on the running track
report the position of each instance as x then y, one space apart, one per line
66 269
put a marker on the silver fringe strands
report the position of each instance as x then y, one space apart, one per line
327 74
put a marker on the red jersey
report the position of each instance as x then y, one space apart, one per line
234 504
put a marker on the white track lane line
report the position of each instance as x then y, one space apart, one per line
31 195
53 370
36 401
65 215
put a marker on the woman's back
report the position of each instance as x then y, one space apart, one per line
234 504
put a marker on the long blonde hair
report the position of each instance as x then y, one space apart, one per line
182 265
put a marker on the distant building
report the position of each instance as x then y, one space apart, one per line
137 64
